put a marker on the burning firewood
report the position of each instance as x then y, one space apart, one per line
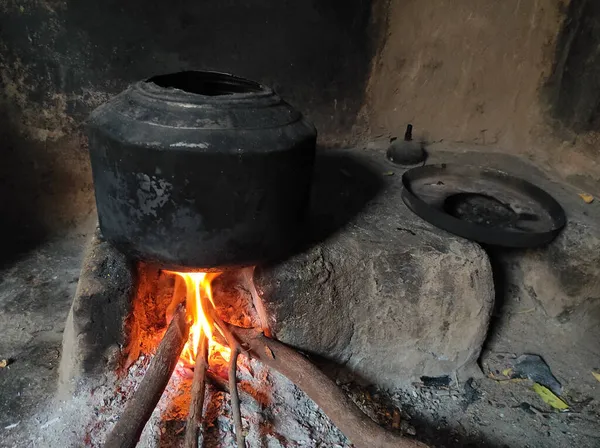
128 428
195 417
233 390
248 276
356 426
209 334
194 421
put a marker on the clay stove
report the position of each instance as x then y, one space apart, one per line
369 292
198 172
198 176
135 373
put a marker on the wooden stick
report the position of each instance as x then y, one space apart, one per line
356 426
235 399
248 275
235 348
217 382
194 420
139 408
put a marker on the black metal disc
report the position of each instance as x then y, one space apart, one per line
484 205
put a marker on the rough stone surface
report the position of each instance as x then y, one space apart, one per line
95 328
382 291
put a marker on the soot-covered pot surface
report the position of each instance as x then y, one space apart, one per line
201 170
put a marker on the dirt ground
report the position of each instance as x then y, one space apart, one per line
35 295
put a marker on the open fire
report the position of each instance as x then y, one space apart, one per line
196 338
212 318
198 298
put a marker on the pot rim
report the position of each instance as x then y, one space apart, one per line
202 87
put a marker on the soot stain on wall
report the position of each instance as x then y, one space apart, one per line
315 53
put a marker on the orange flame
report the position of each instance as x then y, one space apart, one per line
198 286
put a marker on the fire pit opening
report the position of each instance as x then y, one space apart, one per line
184 319
206 83
185 332
209 299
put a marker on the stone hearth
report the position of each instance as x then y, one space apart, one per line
375 289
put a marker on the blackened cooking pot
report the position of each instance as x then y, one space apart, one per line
201 170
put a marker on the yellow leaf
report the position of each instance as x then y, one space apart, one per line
269 352
507 372
549 398
587 198
596 374
388 173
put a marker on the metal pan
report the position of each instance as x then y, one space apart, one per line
484 205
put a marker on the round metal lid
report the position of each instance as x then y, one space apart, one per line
484 205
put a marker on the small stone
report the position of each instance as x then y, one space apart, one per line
407 428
